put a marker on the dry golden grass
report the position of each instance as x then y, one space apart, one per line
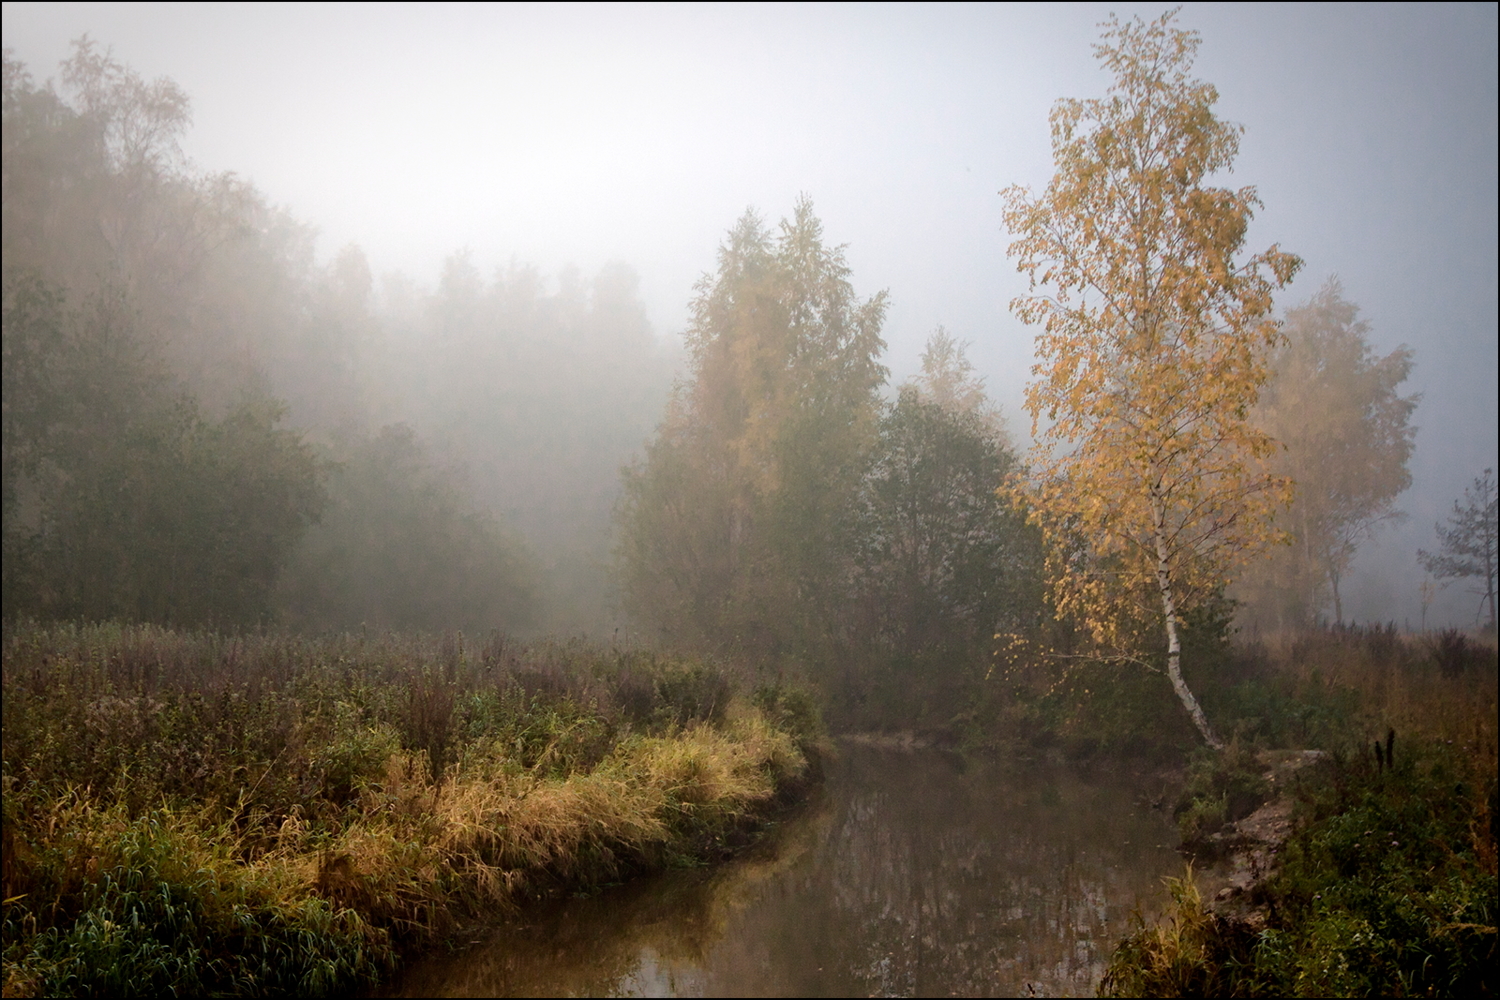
415 846
1392 671
309 807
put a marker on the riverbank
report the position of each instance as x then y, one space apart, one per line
1364 868
202 813
909 872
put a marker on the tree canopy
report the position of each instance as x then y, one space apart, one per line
1346 437
1149 479
124 500
733 528
943 561
171 341
949 380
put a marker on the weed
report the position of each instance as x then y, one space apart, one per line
1388 884
1190 952
209 814
1221 787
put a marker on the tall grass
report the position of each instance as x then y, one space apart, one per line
1321 689
1388 884
262 813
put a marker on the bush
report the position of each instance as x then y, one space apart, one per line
1388 887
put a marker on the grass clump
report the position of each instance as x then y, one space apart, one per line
1221 787
115 905
1190 952
264 814
1387 885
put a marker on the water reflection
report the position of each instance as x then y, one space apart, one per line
910 875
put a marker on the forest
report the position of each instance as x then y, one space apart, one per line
388 606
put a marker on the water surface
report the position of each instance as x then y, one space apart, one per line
913 873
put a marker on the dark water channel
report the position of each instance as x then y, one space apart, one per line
911 874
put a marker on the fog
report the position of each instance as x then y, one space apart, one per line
562 138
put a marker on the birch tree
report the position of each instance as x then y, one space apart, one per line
1347 437
1148 479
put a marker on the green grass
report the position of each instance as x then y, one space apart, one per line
201 813
1387 885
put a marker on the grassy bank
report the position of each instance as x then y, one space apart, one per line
205 813
1387 885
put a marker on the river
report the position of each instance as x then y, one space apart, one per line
910 873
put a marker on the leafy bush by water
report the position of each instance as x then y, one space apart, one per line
1221 787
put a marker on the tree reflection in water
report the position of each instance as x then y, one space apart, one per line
911 874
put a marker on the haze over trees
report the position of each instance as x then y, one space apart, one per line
948 379
1347 440
1469 542
204 425
1148 478
733 531
122 498
784 514
297 555
541 394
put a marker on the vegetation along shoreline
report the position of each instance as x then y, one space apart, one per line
251 814
1367 868
275 514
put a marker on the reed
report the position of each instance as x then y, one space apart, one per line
247 814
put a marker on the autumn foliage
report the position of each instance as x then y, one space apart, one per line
1148 478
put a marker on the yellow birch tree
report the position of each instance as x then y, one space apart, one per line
1148 479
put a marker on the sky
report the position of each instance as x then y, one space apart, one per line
577 135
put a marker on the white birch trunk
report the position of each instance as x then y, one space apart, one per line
1174 645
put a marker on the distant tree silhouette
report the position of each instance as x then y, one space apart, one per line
1468 544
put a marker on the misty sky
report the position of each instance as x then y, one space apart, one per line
580 135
